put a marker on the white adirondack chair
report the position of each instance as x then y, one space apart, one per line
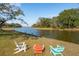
21 46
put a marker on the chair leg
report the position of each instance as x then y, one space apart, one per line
24 50
17 51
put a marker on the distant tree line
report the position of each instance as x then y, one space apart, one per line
11 25
66 19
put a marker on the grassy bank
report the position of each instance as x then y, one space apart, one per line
7 45
71 29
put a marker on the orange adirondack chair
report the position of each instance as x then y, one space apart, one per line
38 48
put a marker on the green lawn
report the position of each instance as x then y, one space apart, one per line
7 45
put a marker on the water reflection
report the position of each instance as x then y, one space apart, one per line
68 36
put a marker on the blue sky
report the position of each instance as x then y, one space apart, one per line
33 11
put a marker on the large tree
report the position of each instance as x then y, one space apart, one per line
9 12
69 18
43 22
54 22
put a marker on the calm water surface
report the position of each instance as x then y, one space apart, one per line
69 36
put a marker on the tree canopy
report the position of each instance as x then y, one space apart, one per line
43 22
9 12
12 25
69 18
66 19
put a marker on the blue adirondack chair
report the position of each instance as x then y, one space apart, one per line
56 50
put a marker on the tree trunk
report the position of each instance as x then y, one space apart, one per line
2 24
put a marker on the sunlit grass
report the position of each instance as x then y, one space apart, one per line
7 45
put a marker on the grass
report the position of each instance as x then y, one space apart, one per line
7 45
70 29
65 29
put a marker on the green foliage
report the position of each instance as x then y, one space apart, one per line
9 12
54 22
12 25
69 18
43 22
66 19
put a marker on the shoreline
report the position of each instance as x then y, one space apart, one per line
71 49
71 29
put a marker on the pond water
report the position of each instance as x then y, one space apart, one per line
69 36
28 31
